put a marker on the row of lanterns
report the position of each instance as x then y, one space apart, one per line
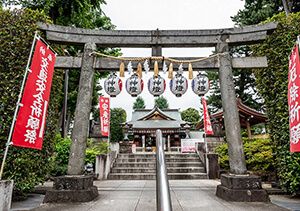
157 85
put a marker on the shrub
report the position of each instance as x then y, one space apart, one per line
258 154
62 152
61 155
94 149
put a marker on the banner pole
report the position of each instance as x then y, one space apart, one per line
206 158
205 141
8 143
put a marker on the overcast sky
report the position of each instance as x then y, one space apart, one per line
168 14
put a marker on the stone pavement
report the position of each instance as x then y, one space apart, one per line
140 195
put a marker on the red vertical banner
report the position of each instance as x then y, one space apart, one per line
294 99
206 119
104 115
31 118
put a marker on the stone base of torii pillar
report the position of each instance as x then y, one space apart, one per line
242 188
75 188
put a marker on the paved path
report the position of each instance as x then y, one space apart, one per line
140 195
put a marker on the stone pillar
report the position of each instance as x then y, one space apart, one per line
169 143
231 117
143 142
76 187
82 112
237 186
6 190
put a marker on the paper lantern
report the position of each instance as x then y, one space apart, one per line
178 85
200 84
156 85
113 85
134 85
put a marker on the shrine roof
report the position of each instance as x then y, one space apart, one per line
156 124
245 114
156 118
140 114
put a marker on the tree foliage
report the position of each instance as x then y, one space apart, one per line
117 117
139 103
253 13
161 102
27 167
190 115
257 11
272 85
84 13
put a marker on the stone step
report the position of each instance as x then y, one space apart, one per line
152 170
183 159
152 164
150 176
153 155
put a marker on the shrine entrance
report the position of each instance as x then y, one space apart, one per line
221 39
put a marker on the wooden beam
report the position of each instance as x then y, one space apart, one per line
103 64
163 38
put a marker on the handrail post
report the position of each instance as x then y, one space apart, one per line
163 198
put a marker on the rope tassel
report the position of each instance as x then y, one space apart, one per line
156 68
122 70
139 70
190 71
170 73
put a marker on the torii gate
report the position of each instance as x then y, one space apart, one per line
221 39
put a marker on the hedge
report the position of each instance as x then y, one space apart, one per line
27 167
272 85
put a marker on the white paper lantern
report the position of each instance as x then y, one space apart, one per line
113 85
178 85
200 84
156 85
134 85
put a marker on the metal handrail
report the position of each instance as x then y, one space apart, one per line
163 198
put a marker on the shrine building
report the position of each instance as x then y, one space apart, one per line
145 122
248 118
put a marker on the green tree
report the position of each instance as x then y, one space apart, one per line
161 102
257 11
139 103
84 14
117 117
253 13
190 115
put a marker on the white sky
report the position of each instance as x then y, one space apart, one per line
168 14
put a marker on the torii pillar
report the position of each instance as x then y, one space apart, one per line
76 187
237 185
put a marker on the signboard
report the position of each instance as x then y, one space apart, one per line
207 124
104 115
294 99
189 145
31 118
133 148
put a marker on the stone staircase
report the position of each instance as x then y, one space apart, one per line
142 167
